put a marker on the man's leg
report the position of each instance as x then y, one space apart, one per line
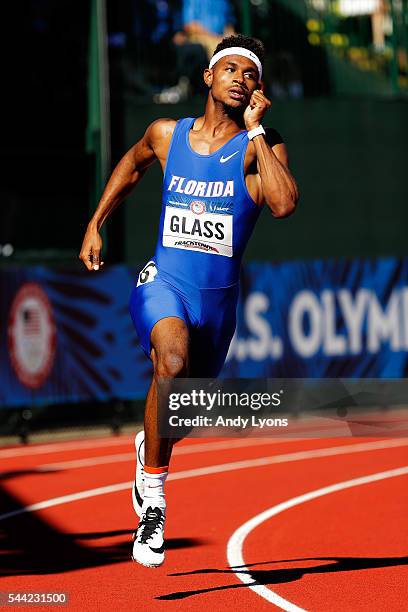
170 343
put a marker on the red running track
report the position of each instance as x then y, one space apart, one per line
342 550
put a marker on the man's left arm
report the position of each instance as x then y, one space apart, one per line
276 186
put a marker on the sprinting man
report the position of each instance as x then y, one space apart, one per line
220 170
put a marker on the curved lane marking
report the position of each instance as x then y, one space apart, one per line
236 541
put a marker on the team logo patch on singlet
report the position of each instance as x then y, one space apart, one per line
195 229
198 207
147 274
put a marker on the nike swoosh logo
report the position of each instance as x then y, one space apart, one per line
225 159
157 550
139 498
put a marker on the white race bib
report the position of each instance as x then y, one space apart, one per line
194 229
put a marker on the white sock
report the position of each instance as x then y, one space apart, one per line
154 487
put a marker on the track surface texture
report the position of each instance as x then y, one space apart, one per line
253 524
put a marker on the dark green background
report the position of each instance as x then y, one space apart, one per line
350 160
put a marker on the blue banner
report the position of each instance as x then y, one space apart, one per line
66 335
318 319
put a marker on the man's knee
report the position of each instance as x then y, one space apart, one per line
171 364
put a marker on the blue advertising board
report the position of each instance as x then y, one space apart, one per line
317 319
66 335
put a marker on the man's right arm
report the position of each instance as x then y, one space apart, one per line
126 175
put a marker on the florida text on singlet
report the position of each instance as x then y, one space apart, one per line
207 213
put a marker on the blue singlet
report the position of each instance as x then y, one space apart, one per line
206 221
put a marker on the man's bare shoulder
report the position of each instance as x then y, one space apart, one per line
161 129
158 137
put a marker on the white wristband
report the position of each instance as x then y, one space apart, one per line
256 132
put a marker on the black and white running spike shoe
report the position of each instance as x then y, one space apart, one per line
138 484
148 546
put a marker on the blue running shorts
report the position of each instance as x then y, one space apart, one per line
209 314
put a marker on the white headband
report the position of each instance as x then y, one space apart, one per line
237 51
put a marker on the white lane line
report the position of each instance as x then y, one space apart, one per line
236 541
80 463
64 446
312 428
188 449
65 499
214 469
183 450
